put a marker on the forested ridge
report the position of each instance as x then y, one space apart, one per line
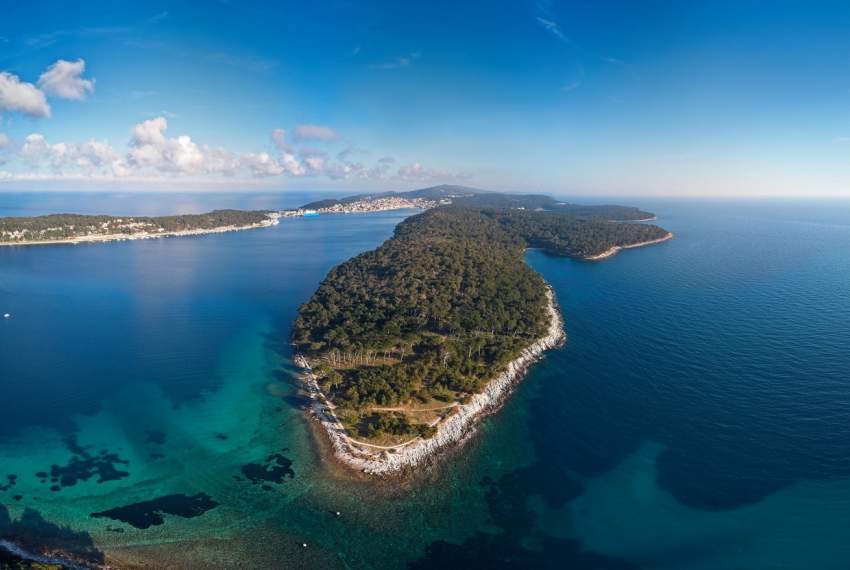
440 308
573 235
66 226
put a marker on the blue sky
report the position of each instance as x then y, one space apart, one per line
613 98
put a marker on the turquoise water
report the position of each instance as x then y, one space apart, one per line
695 419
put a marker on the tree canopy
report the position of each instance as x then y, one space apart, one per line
443 305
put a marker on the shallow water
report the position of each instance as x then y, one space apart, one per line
696 417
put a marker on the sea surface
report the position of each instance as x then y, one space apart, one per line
697 418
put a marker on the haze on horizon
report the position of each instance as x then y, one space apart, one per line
728 99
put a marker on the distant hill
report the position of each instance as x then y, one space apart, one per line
480 199
431 193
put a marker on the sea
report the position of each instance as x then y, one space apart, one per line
698 417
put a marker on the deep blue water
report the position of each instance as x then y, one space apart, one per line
696 418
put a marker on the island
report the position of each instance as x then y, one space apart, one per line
406 347
78 228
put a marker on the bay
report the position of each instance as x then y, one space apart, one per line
696 417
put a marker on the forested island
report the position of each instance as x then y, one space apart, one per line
78 228
408 344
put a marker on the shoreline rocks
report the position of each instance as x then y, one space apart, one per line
617 248
272 219
452 430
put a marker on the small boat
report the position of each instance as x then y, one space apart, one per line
7 315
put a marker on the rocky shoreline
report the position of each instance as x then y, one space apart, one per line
452 430
616 248
273 219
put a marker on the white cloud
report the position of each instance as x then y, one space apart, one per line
63 79
22 97
291 165
315 163
221 161
4 141
347 169
344 170
313 160
66 157
94 155
151 154
315 133
279 140
150 148
262 164
553 28
415 172
35 145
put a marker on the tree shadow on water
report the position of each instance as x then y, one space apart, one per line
33 534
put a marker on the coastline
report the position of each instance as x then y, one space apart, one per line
271 221
454 429
612 251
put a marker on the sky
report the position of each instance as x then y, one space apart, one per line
665 98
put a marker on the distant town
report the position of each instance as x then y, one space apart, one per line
368 205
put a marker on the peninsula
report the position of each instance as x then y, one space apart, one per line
404 348
77 228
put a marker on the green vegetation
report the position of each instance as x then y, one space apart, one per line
431 193
442 306
432 312
68 226
373 425
573 235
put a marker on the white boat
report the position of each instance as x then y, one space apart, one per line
7 315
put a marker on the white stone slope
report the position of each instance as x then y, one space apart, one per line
453 429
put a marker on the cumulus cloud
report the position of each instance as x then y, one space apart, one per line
35 145
344 170
315 133
150 148
152 153
67 157
291 165
313 160
348 169
64 79
16 95
221 161
262 165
